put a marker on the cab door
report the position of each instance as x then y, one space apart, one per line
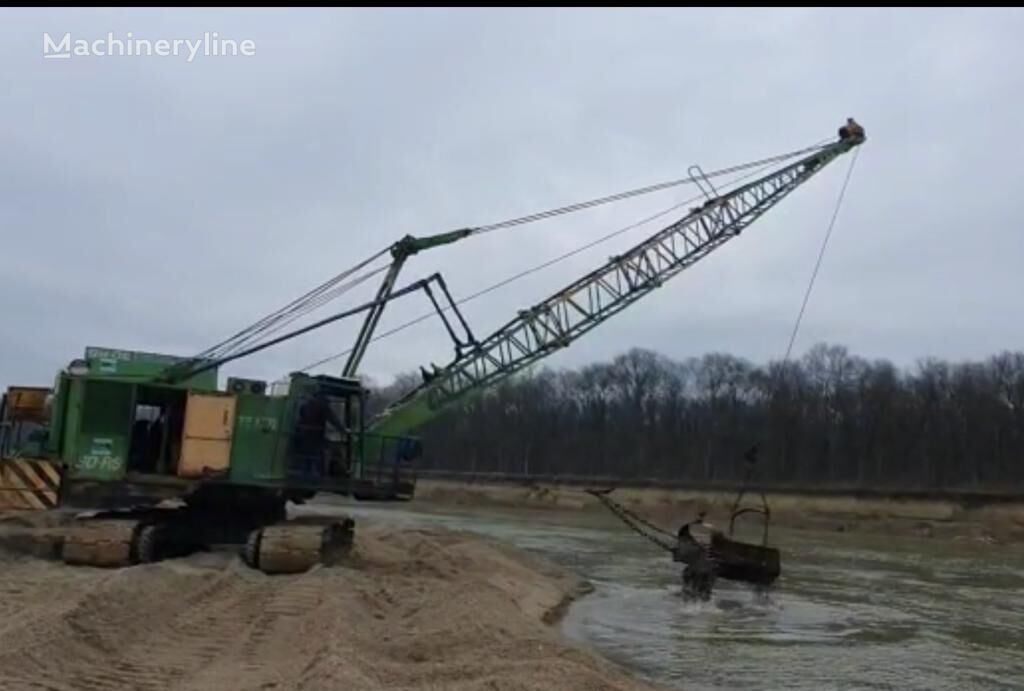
206 438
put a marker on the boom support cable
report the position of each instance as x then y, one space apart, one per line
643 190
289 317
191 368
245 335
550 262
333 288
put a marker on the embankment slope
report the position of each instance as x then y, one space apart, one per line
1000 521
414 610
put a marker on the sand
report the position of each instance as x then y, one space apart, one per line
998 522
417 610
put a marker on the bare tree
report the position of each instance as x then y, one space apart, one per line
829 419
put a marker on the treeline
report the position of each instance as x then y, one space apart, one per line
830 419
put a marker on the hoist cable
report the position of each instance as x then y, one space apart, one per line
821 256
776 381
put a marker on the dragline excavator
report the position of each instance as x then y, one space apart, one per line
154 460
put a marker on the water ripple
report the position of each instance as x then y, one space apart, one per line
850 611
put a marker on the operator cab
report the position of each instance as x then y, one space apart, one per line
327 427
329 446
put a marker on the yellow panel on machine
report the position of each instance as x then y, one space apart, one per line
209 423
28 483
26 403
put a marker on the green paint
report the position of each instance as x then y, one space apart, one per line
102 458
103 432
411 245
72 415
258 445
405 418
136 365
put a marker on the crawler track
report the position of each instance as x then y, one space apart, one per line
285 547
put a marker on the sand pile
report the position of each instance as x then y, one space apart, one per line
424 609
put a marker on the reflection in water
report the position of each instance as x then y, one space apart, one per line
849 612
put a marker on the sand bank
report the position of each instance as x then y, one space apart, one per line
415 610
999 521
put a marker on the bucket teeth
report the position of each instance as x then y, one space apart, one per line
298 548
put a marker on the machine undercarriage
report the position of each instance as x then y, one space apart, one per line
259 532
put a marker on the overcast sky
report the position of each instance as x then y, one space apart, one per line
158 204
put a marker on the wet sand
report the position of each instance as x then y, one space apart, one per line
997 522
413 609
851 610
437 597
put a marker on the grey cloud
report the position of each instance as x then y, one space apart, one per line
154 204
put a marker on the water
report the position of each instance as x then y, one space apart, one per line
849 612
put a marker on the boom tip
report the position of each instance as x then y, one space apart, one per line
852 132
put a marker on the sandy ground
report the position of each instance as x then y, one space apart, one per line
425 609
1001 522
